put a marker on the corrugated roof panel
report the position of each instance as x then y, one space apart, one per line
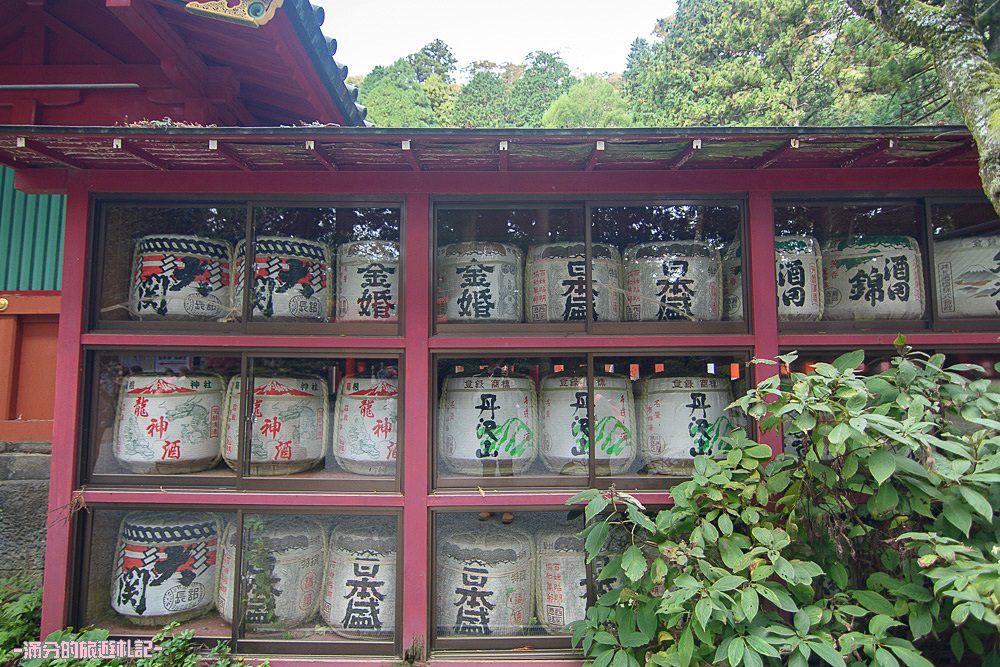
31 233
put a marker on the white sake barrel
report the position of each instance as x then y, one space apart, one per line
283 559
480 282
487 426
365 432
564 428
560 579
681 417
967 277
289 427
290 280
673 280
800 279
368 281
178 277
732 283
555 274
359 590
166 566
878 277
169 424
485 581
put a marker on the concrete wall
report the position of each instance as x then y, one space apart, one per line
24 498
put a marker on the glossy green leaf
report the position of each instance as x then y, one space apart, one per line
882 465
735 651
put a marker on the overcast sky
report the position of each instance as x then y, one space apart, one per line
591 36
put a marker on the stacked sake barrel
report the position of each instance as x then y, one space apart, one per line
799 280
289 427
673 280
555 274
877 277
191 278
169 424
166 567
488 426
359 589
177 277
364 426
498 580
564 442
967 277
680 418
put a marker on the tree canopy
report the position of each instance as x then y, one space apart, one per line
591 102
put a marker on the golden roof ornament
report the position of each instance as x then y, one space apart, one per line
251 13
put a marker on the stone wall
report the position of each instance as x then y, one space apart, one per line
24 499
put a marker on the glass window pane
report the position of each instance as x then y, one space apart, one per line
163 262
319 264
160 414
149 568
966 259
671 408
510 265
488 415
320 418
508 574
870 255
316 577
673 259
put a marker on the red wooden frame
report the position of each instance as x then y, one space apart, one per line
418 342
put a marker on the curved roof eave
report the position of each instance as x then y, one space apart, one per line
307 20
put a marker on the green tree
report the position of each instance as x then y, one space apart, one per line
395 98
442 97
433 58
483 102
956 34
545 78
779 62
591 102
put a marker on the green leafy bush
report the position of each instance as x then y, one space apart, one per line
20 613
173 649
877 547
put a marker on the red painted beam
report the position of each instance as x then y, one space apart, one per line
866 154
233 158
146 76
145 156
54 155
939 158
184 70
769 158
321 157
685 156
595 156
411 156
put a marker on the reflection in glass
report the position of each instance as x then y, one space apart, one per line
966 259
480 282
681 410
364 427
314 577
